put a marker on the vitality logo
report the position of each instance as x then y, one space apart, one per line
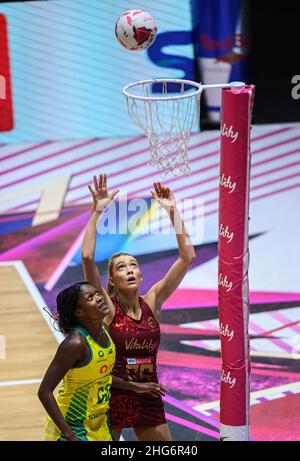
6 103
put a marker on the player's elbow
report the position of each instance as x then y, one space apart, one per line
191 259
193 256
188 259
87 256
45 393
42 393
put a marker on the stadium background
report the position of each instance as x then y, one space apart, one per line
69 122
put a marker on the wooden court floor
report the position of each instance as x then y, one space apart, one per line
27 348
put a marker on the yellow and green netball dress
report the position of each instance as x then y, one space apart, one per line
84 395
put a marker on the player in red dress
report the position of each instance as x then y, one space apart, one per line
136 395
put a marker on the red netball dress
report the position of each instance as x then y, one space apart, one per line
137 343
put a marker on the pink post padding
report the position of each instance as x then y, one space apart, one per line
233 293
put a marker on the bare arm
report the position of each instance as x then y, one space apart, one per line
70 352
90 270
161 291
101 199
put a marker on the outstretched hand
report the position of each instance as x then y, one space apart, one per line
101 197
154 389
164 196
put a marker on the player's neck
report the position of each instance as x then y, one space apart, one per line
129 301
94 329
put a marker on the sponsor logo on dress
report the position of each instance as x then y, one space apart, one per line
227 183
226 332
97 415
135 344
101 356
227 379
230 133
120 325
224 282
139 361
152 324
103 369
224 232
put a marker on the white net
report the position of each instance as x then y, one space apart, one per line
166 119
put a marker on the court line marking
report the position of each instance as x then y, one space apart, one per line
293 387
40 303
20 382
35 294
279 355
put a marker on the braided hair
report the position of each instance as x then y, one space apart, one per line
67 303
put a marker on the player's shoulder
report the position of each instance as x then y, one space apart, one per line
150 299
74 346
112 305
74 340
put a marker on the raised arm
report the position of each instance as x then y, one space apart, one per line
70 351
161 291
101 199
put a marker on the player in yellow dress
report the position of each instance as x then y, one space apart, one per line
84 361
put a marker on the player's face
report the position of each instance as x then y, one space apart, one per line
91 304
126 274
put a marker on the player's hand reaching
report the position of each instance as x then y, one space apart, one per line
164 196
154 389
101 197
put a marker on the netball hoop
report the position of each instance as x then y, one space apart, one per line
168 119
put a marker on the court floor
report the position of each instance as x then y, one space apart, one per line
27 347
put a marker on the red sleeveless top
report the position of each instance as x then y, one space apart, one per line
136 342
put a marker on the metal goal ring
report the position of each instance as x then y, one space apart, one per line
199 87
